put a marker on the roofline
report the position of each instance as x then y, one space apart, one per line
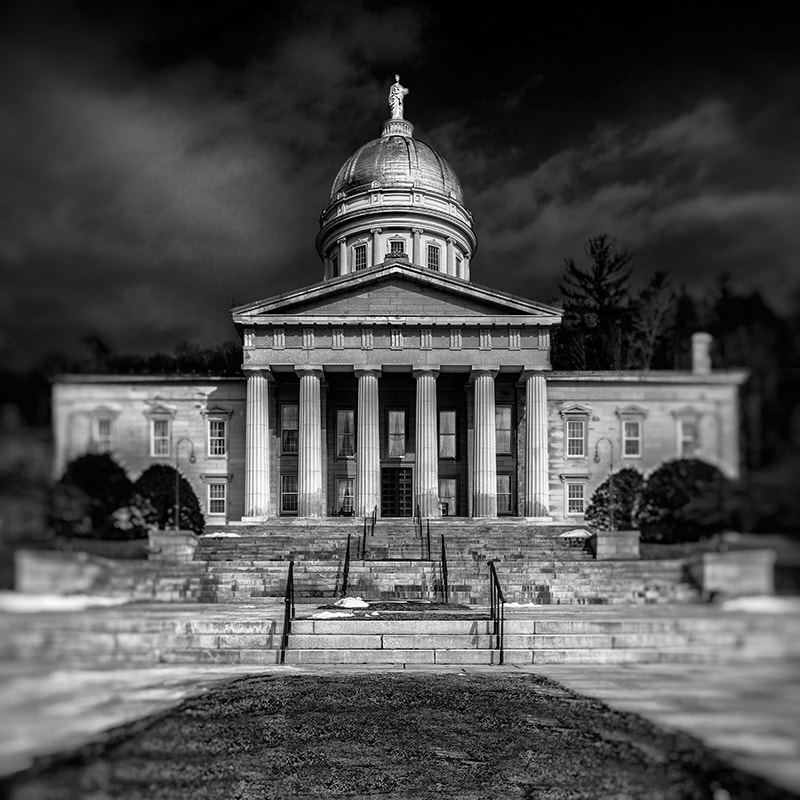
76 377
732 377
397 267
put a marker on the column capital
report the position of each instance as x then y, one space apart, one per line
375 230
476 370
368 369
341 240
418 230
310 369
531 372
256 372
418 372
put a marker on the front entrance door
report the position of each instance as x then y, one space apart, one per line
396 492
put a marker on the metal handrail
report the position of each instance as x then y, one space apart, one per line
497 602
429 540
346 570
445 582
418 520
288 610
374 517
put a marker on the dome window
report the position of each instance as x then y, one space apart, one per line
434 257
360 257
397 247
335 265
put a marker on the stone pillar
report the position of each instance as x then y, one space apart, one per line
256 463
465 268
451 257
484 503
368 449
416 251
344 267
426 480
376 246
537 481
309 453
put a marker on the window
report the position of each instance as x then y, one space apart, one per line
289 494
344 495
345 433
397 247
290 417
159 437
447 496
502 425
576 438
217 498
688 437
360 256
631 438
397 434
217 437
447 434
503 494
335 265
576 497
433 257
103 440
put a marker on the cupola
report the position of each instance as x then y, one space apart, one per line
396 199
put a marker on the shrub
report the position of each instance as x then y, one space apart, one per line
627 485
156 485
85 497
681 501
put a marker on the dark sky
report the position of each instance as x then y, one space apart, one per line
162 161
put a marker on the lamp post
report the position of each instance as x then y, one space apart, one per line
610 475
192 460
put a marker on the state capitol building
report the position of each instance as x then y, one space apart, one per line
396 383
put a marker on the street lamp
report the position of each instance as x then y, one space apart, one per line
610 476
192 460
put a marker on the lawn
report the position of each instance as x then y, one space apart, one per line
391 735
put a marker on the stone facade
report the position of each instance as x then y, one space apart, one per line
398 385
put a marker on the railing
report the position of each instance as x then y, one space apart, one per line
428 542
288 610
346 570
445 583
497 604
369 525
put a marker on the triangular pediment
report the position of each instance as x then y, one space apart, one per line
395 290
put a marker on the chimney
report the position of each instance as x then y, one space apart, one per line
701 353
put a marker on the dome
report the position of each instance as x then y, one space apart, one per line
397 160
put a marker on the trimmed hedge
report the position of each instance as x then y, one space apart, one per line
628 483
156 485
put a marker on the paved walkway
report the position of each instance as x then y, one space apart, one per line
750 712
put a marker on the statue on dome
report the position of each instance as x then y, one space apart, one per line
396 95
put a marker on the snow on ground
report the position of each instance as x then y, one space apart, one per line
332 614
351 602
20 603
763 604
221 535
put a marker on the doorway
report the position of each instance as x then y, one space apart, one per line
396 492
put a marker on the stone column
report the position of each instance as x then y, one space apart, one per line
344 267
368 450
465 268
256 463
484 489
309 453
416 252
376 246
537 482
426 481
451 257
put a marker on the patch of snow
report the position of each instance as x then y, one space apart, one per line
21 603
763 604
221 535
351 602
522 605
332 614
578 533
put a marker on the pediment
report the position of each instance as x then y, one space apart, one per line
394 291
